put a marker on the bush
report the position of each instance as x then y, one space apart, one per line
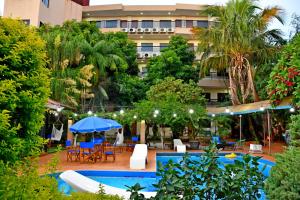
295 130
204 179
283 182
24 89
23 181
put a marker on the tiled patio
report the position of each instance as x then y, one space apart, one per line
122 160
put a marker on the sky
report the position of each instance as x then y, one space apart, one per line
289 7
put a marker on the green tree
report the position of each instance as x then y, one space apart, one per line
127 89
173 99
176 61
239 40
24 89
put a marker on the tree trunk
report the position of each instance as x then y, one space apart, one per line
233 89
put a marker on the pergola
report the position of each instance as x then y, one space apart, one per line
249 108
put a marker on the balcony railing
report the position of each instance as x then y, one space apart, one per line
152 51
216 75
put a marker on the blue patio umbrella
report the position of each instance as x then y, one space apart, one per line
94 124
113 123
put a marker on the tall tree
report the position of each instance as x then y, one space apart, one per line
239 40
24 90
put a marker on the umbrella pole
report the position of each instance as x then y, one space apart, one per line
269 131
240 127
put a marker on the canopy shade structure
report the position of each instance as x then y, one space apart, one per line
94 124
249 108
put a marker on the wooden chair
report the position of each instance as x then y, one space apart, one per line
88 152
109 151
72 151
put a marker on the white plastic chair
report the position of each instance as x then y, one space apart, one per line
179 146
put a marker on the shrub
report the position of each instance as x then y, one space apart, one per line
283 182
204 179
24 89
295 130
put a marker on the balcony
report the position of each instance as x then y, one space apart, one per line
214 80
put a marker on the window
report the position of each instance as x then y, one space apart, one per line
147 24
134 24
165 24
26 21
163 46
147 47
98 24
111 24
202 23
222 97
178 23
46 3
189 23
123 24
222 73
207 96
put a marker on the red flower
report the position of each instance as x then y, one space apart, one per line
289 83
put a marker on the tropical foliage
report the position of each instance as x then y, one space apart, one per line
80 50
283 182
24 89
285 77
185 180
239 40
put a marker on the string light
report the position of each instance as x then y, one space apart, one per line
114 115
231 113
213 115
174 115
90 112
262 108
154 115
134 116
95 115
121 111
75 114
156 112
56 114
292 109
191 111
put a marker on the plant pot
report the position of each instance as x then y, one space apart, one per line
194 144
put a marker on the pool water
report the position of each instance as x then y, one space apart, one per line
120 179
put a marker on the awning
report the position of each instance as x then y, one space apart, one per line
55 105
249 108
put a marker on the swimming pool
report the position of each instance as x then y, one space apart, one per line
120 179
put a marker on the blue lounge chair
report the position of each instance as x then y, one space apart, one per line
221 143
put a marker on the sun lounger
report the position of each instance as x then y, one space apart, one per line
255 148
179 146
138 158
84 184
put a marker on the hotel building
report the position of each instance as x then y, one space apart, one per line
150 27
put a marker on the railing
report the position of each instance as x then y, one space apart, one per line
216 75
152 51
150 25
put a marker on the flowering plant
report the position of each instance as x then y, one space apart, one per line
285 77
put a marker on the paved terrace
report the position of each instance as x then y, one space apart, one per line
122 160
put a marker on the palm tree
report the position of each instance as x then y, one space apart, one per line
104 58
238 39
